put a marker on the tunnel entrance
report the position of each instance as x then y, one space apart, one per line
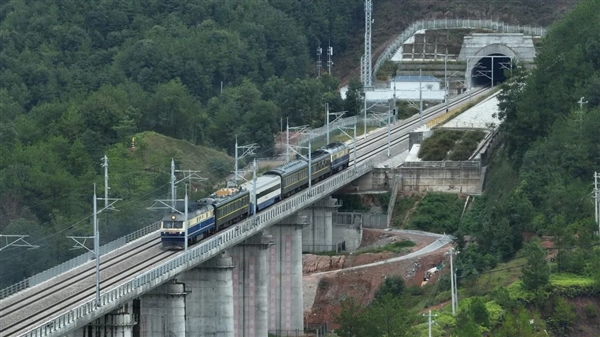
488 68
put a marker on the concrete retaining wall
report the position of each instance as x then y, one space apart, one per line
450 177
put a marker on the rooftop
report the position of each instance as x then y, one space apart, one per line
427 78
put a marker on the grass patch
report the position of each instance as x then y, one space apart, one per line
504 275
402 208
570 280
396 247
450 145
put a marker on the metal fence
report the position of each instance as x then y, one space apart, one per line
111 299
337 248
452 23
76 261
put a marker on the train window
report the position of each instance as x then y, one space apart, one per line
173 224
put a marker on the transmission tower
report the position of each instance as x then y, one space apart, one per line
319 53
366 65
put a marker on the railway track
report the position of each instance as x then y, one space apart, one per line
39 304
372 146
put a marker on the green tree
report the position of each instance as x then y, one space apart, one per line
350 318
393 285
535 271
354 101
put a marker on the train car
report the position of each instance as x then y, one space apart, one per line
321 165
231 205
339 154
294 176
201 223
268 191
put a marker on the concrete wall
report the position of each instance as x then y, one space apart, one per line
348 228
451 177
209 304
317 235
509 44
162 311
250 286
286 309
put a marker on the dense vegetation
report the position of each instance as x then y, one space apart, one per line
450 145
81 79
539 184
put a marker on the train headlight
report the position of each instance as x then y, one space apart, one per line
173 217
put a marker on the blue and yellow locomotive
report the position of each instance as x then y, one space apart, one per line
230 205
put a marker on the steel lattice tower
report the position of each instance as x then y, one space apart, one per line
366 59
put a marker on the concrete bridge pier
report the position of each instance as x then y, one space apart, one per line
209 303
250 284
318 235
162 311
286 311
117 323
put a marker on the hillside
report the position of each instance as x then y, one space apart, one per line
138 175
391 17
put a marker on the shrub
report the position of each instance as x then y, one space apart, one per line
590 310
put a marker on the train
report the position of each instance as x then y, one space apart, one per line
228 206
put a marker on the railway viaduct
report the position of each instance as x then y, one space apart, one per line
245 281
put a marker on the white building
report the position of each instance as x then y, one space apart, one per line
407 88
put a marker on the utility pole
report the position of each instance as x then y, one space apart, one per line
327 120
596 205
329 54
430 321
337 115
388 132
446 79
365 119
248 150
420 97
254 188
185 222
170 205
353 128
302 130
395 106
581 103
108 205
453 284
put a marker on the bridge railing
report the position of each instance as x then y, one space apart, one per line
76 261
197 254
393 47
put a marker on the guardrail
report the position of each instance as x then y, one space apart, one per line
392 48
474 164
197 254
76 261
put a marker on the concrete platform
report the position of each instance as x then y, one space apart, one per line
482 116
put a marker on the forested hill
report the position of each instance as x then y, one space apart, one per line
80 78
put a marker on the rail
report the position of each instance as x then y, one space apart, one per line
76 261
392 48
111 299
